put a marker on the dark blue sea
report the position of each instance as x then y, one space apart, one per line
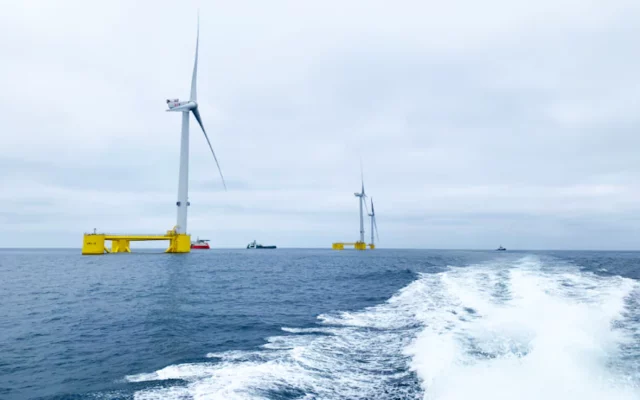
320 324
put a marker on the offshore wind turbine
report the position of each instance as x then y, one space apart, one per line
360 244
374 226
186 108
179 240
361 197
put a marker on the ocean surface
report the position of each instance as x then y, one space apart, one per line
320 324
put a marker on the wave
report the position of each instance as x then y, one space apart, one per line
526 329
525 333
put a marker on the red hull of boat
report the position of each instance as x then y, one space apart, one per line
200 246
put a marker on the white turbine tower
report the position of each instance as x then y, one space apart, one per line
361 197
374 226
187 107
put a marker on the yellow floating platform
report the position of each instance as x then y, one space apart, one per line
94 243
356 245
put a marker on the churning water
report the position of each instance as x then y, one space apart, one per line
310 324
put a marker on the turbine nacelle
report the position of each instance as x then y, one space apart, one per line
177 105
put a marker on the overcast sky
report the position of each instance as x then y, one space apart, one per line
479 123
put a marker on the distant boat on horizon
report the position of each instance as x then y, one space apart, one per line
254 245
501 248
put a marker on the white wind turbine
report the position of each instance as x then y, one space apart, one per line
361 199
374 225
187 107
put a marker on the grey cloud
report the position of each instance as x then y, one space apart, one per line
474 120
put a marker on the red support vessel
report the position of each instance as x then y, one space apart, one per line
200 244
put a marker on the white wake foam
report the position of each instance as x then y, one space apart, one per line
533 334
527 330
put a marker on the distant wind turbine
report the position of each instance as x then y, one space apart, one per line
362 196
374 225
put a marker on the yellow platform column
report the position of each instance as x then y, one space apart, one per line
337 246
360 245
372 246
179 243
120 246
93 244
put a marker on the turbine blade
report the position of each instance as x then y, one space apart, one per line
194 78
365 205
375 226
196 114
361 176
373 216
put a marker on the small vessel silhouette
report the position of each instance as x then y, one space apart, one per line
254 245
